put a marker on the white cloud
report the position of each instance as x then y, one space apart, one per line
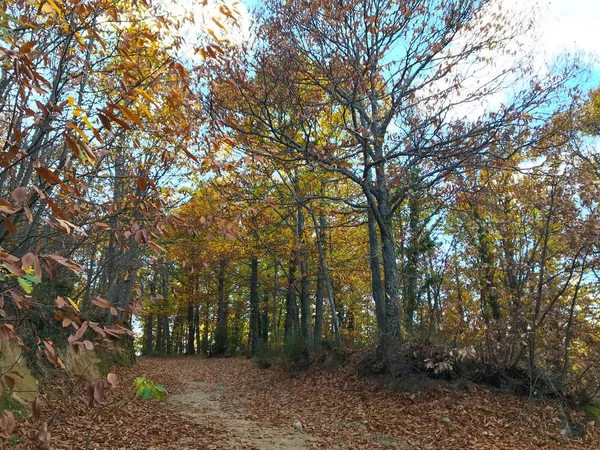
204 20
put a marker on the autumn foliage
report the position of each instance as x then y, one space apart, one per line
356 175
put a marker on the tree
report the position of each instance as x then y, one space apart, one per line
392 78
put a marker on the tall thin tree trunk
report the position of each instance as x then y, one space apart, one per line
319 311
320 227
148 332
197 327
254 312
206 326
159 334
221 330
191 332
275 289
541 281
291 305
305 322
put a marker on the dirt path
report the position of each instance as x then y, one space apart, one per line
229 404
212 403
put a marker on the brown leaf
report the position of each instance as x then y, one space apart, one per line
9 225
36 408
112 379
19 195
14 269
9 381
48 175
27 261
7 423
81 330
7 207
27 47
102 303
99 391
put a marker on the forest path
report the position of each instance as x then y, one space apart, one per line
230 403
236 405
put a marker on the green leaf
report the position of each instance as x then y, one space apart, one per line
26 285
147 393
32 278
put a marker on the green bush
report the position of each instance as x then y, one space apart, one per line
267 356
296 353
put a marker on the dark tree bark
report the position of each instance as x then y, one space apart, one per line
159 334
197 327
206 325
291 305
305 316
254 310
148 332
221 330
190 350
319 311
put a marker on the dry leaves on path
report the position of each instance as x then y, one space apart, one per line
231 404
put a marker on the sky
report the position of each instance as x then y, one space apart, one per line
572 25
563 25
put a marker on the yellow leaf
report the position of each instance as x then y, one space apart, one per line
73 304
71 100
79 131
144 94
55 7
87 122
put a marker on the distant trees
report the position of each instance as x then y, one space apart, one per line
377 93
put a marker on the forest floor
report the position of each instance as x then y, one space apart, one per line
231 404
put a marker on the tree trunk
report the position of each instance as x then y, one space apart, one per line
305 322
167 344
376 281
190 350
254 312
221 330
148 332
291 305
320 228
319 311
206 326
390 269
275 289
159 334
197 327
